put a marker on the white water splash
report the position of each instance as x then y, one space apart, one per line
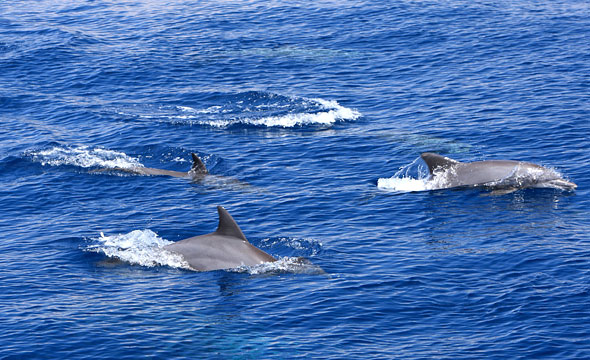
409 184
85 157
402 181
139 247
404 184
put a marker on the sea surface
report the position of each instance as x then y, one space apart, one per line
299 110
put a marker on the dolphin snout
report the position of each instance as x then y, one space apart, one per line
564 184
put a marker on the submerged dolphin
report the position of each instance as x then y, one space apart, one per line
226 248
197 171
504 175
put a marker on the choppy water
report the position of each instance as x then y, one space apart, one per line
298 110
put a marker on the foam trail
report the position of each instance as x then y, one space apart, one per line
85 157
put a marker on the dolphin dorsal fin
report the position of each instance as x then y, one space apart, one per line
228 226
198 166
437 162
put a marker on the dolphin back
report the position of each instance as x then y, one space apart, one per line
225 248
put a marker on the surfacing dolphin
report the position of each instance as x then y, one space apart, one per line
226 248
197 171
503 176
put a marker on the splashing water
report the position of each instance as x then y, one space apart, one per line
85 157
139 247
250 108
403 181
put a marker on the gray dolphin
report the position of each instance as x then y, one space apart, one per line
502 175
226 248
197 171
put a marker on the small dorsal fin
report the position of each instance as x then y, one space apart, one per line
198 166
437 162
228 226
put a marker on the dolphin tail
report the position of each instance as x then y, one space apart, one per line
198 166
437 162
228 226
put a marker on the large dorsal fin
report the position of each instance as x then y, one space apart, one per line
228 226
198 166
437 162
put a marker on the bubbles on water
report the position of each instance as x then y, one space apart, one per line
85 157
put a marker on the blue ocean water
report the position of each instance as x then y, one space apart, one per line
298 109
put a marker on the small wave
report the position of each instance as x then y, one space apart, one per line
312 112
250 108
293 52
289 265
85 157
139 247
301 247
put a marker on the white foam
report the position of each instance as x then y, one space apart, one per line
403 184
179 159
335 112
315 111
139 247
210 110
85 157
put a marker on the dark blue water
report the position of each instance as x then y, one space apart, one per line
299 108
